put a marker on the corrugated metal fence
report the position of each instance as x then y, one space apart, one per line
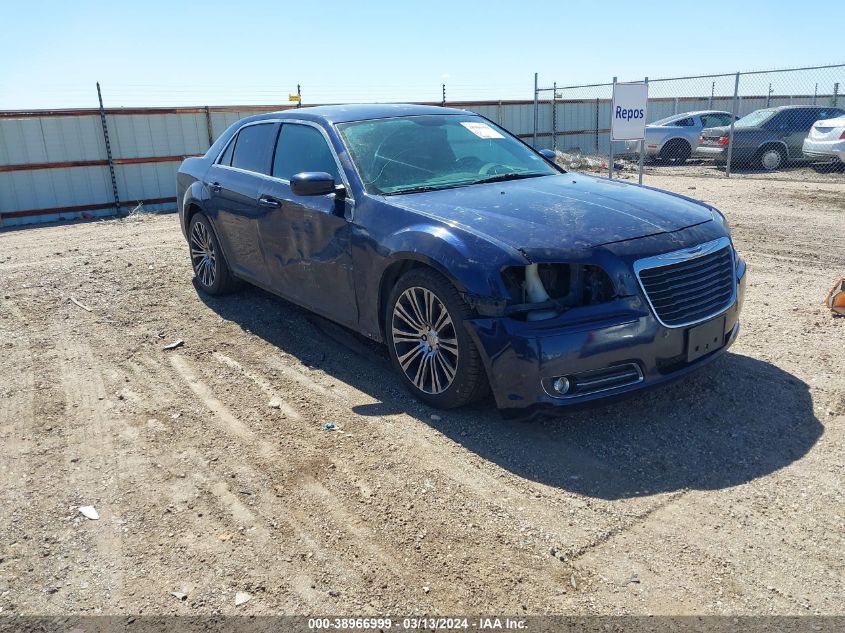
53 163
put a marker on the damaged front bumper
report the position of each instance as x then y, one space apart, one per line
601 351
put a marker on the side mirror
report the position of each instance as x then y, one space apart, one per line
548 154
312 183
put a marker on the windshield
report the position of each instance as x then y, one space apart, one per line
755 119
438 151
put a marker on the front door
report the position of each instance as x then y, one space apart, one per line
306 238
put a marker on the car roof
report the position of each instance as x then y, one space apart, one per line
356 112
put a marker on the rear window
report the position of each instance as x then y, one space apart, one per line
252 148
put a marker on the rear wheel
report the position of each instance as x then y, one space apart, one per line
428 343
676 151
771 158
211 269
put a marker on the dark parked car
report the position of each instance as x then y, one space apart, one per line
765 138
472 256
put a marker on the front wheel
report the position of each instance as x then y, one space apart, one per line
428 342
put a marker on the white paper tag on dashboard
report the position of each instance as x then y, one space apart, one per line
481 130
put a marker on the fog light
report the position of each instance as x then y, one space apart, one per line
561 385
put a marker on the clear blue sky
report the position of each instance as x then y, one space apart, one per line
157 52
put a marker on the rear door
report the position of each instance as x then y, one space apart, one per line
234 182
306 238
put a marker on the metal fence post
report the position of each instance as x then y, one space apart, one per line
536 112
208 126
597 125
712 93
642 141
731 133
443 100
835 94
554 116
610 162
108 150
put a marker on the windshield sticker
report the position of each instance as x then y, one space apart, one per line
481 130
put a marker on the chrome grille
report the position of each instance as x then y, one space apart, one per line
689 286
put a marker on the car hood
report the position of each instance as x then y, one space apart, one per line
567 212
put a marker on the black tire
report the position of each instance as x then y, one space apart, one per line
766 158
676 152
469 381
211 270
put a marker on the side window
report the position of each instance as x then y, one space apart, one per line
252 148
302 148
226 158
723 119
688 122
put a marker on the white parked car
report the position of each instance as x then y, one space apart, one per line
826 140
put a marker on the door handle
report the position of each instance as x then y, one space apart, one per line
270 203
215 187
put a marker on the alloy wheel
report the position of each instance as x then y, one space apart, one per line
425 340
203 257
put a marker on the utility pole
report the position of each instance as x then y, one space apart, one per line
443 100
299 94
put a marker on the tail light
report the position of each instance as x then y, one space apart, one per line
842 136
701 140
723 140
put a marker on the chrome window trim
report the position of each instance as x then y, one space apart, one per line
687 254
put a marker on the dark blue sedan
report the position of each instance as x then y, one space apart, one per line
478 262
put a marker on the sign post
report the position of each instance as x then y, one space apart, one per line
628 114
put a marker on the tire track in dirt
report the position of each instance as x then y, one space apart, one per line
96 480
300 505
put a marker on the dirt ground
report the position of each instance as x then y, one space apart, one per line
720 494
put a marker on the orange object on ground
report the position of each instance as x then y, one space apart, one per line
835 299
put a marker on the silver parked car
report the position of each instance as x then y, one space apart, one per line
826 141
672 139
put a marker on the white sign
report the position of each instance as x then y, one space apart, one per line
481 129
630 103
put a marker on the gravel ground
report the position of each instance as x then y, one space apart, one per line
720 494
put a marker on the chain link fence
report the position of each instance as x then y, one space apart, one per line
744 124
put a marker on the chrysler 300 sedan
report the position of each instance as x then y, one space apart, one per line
476 260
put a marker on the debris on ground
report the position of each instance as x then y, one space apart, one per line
81 305
634 579
330 426
90 512
179 595
242 597
274 404
174 345
835 299
435 417
577 161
